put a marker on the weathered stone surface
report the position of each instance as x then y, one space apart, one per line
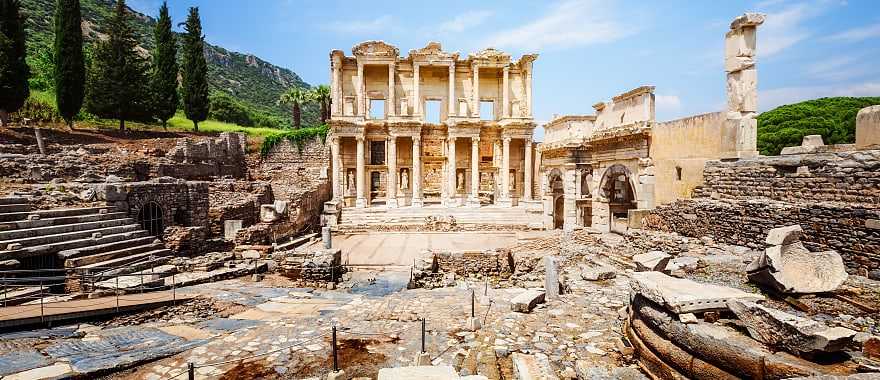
685 296
794 269
868 127
785 235
600 273
527 300
418 372
551 277
748 19
790 332
690 366
871 347
651 261
586 371
532 367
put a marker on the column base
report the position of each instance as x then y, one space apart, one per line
473 202
360 203
451 202
391 203
417 202
504 202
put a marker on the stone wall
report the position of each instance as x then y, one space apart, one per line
222 156
237 200
490 263
183 203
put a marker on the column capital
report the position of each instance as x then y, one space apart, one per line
452 67
451 139
417 138
391 138
505 69
528 141
360 138
475 139
507 139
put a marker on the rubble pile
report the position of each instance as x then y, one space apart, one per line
788 267
314 268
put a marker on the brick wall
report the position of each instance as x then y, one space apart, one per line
183 203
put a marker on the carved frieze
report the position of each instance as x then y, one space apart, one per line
375 49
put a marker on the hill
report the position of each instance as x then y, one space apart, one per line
833 118
248 78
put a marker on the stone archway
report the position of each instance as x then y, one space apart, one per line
617 188
150 216
557 192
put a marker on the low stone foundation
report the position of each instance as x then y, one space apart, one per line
314 268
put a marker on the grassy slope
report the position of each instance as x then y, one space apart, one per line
833 118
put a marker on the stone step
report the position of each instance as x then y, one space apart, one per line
12 200
55 238
148 278
120 261
110 255
22 224
140 265
15 207
45 249
7 236
111 246
54 213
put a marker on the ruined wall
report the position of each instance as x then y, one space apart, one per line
183 203
628 108
835 197
680 149
237 200
475 263
200 160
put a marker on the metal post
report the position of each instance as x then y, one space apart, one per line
473 301
333 342
42 315
423 335
173 290
117 294
5 295
191 369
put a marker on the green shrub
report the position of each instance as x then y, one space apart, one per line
833 118
299 137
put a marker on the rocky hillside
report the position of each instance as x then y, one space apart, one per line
248 78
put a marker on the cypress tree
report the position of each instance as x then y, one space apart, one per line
195 71
14 71
116 78
70 72
165 68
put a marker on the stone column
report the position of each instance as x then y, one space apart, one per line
417 103
451 105
474 199
452 178
392 71
361 108
505 93
416 172
361 200
335 73
391 184
505 173
527 167
537 171
476 97
528 80
742 85
336 166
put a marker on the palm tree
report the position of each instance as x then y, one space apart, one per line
321 94
296 97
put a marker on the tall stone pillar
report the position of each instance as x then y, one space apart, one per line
361 200
505 173
741 125
474 199
417 101
476 96
335 82
452 176
527 170
391 184
451 105
361 108
505 93
392 73
416 172
537 171
336 166
528 80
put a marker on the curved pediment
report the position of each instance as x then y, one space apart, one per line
375 49
490 55
432 51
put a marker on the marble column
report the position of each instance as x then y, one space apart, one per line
336 166
361 108
361 200
416 174
505 172
451 105
391 183
417 103
452 178
335 89
476 97
392 73
528 79
474 199
537 171
527 168
505 93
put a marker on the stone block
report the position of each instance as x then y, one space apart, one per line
792 333
532 367
686 296
268 214
230 228
868 128
812 140
742 91
792 268
600 273
651 261
551 277
747 19
871 347
785 235
526 301
418 372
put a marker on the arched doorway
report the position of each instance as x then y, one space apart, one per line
617 188
557 191
150 218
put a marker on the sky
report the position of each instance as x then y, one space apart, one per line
589 50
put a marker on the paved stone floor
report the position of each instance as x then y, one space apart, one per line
390 248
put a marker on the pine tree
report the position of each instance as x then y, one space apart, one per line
14 71
116 78
70 72
195 71
165 68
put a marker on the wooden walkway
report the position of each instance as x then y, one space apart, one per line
26 315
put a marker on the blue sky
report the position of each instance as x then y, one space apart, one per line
589 50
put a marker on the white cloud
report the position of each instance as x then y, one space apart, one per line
857 34
667 103
770 99
360 26
571 23
783 28
838 68
464 21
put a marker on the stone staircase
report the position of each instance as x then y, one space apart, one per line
96 241
415 218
